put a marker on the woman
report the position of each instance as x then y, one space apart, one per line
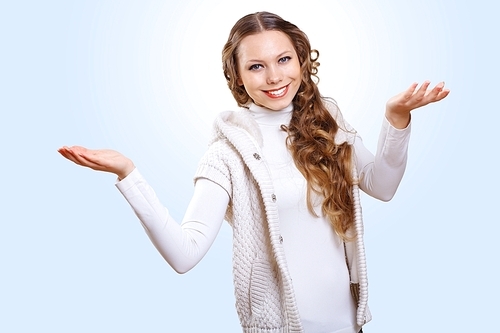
285 171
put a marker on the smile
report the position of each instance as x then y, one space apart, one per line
277 93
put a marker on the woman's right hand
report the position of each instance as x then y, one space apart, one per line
102 160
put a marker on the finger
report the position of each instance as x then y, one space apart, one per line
438 88
69 157
438 93
67 153
78 149
63 152
422 90
432 95
91 158
410 91
442 94
78 156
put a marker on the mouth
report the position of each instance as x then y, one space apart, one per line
277 93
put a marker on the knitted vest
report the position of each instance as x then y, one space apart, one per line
265 300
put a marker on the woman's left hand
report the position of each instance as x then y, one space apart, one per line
398 108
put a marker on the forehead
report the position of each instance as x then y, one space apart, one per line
263 45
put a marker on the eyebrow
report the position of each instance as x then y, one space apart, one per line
278 56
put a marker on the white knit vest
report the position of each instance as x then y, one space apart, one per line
265 300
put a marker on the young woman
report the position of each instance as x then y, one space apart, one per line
285 171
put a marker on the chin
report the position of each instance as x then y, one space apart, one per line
277 105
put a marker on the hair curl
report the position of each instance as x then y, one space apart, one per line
325 165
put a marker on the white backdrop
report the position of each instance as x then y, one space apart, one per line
144 78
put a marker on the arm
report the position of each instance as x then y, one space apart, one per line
381 174
181 245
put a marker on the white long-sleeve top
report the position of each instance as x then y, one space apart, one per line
315 255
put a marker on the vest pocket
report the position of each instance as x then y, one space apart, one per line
261 281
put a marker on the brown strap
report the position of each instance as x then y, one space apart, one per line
354 286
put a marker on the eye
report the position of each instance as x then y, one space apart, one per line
284 59
255 67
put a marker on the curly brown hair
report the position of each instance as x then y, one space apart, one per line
325 165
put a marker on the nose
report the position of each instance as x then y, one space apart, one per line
274 76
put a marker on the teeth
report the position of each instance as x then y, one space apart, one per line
277 92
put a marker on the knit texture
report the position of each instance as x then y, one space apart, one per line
265 300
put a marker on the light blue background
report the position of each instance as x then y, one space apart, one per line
144 78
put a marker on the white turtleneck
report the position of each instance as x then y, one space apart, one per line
314 253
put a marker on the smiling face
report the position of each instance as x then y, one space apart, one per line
269 69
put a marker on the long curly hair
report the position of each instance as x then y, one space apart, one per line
325 165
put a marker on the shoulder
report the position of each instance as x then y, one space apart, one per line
346 132
218 164
220 153
235 126
332 107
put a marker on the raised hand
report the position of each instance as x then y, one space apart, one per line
102 160
398 108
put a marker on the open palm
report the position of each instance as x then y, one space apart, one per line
398 108
101 159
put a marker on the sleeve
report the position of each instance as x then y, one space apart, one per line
181 245
381 174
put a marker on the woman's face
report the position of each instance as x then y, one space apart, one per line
269 69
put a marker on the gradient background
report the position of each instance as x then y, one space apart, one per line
144 78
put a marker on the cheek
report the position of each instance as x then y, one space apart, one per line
294 71
246 81
239 80
298 70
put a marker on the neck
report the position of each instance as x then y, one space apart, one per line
265 116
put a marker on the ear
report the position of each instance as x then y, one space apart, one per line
239 82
